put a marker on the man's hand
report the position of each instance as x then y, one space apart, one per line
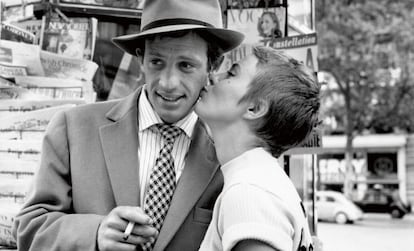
111 230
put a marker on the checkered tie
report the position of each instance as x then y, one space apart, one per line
162 180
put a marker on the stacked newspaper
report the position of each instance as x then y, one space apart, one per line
45 68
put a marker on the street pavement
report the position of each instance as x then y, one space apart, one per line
376 232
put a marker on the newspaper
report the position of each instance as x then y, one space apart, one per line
13 33
5 83
33 134
74 37
60 66
22 54
18 105
20 146
12 187
31 120
10 107
57 88
11 71
16 92
16 168
8 211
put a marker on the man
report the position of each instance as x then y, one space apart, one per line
105 166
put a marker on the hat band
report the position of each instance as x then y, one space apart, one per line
174 21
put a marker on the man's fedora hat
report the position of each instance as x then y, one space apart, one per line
161 16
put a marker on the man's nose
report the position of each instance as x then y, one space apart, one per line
169 78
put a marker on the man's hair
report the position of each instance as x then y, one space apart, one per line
214 53
292 94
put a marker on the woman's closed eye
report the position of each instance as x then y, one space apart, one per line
234 70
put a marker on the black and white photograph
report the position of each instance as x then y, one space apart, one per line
206 125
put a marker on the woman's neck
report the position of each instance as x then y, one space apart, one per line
231 141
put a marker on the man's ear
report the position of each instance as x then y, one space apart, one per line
256 109
140 55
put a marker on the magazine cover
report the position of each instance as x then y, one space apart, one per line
16 11
8 3
303 48
74 38
13 33
32 26
259 25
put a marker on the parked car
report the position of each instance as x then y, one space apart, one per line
381 201
334 206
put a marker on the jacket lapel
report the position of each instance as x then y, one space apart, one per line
120 146
200 167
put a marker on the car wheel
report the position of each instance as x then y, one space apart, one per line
341 218
396 213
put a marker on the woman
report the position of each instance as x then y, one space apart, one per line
269 26
264 105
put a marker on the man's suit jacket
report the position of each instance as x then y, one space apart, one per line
89 165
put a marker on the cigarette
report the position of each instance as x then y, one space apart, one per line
128 230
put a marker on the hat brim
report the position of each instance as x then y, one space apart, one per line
225 39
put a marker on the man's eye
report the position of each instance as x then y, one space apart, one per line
155 62
186 66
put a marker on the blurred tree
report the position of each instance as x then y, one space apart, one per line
366 48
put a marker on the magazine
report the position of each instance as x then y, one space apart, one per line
259 25
32 26
13 33
130 4
16 11
8 3
74 37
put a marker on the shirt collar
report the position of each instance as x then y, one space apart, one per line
147 117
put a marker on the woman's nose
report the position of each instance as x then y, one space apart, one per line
216 77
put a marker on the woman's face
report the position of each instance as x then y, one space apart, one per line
267 24
219 103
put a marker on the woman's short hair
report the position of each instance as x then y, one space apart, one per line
292 94
276 31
